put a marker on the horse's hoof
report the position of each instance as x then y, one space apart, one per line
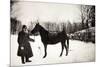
66 54
44 56
60 55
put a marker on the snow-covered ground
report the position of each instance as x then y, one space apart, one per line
78 52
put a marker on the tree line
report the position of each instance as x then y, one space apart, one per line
87 20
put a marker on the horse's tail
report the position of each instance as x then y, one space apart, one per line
65 35
67 38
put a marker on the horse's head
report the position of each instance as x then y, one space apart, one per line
36 28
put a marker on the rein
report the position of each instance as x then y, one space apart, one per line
34 37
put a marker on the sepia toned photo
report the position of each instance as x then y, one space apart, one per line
51 33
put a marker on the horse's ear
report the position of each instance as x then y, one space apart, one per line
38 23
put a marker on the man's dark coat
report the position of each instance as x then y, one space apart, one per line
23 41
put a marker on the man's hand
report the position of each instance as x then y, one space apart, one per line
22 48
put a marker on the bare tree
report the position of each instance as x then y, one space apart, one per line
15 26
87 15
69 27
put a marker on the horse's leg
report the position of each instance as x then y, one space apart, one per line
62 44
45 50
66 47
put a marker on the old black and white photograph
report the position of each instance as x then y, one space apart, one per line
51 33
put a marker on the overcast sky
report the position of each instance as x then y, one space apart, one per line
31 11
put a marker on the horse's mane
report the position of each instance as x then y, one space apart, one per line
42 28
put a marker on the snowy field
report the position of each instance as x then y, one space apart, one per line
78 52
